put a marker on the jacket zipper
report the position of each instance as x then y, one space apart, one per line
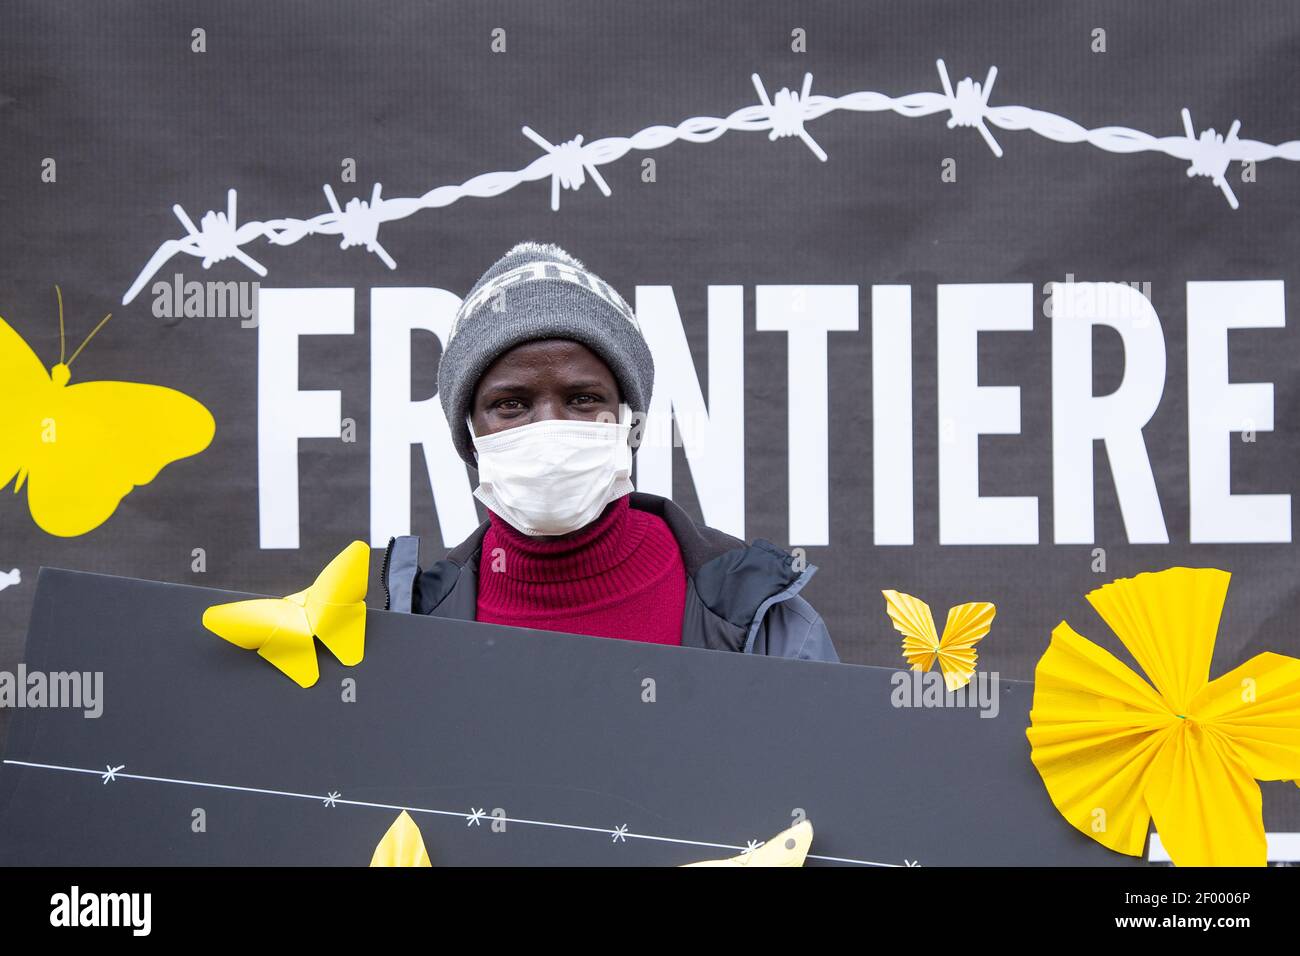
383 574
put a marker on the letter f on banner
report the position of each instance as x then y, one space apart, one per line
285 414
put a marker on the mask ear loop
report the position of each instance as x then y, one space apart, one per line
469 426
625 418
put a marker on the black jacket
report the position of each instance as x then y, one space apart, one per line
739 597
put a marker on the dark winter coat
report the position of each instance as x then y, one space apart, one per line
739 597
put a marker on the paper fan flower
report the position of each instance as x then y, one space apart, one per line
1116 752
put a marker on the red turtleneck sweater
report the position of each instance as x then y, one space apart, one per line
621 576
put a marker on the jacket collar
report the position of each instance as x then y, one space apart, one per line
733 579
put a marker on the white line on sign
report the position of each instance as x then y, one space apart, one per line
335 800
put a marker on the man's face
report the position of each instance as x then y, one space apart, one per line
541 380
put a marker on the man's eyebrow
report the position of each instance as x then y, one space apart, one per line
504 386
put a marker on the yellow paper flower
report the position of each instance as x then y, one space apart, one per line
1116 753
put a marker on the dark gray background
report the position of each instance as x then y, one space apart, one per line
410 89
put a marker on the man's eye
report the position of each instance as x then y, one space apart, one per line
585 399
508 405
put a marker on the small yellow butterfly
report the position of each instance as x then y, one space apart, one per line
402 845
281 629
966 627
788 848
82 448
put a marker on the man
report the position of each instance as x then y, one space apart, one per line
540 379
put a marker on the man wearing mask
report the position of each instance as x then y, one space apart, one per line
541 376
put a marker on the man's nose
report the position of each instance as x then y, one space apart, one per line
545 409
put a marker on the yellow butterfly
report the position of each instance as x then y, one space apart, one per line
788 848
402 845
281 629
82 448
966 627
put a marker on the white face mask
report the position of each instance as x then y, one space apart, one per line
554 477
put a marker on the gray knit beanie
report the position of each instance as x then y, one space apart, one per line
539 291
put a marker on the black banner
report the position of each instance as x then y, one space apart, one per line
978 302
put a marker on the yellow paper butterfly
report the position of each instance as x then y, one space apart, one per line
922 646
788 848
82 448
282 629
402 845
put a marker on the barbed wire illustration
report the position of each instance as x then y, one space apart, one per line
570 163
620 833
